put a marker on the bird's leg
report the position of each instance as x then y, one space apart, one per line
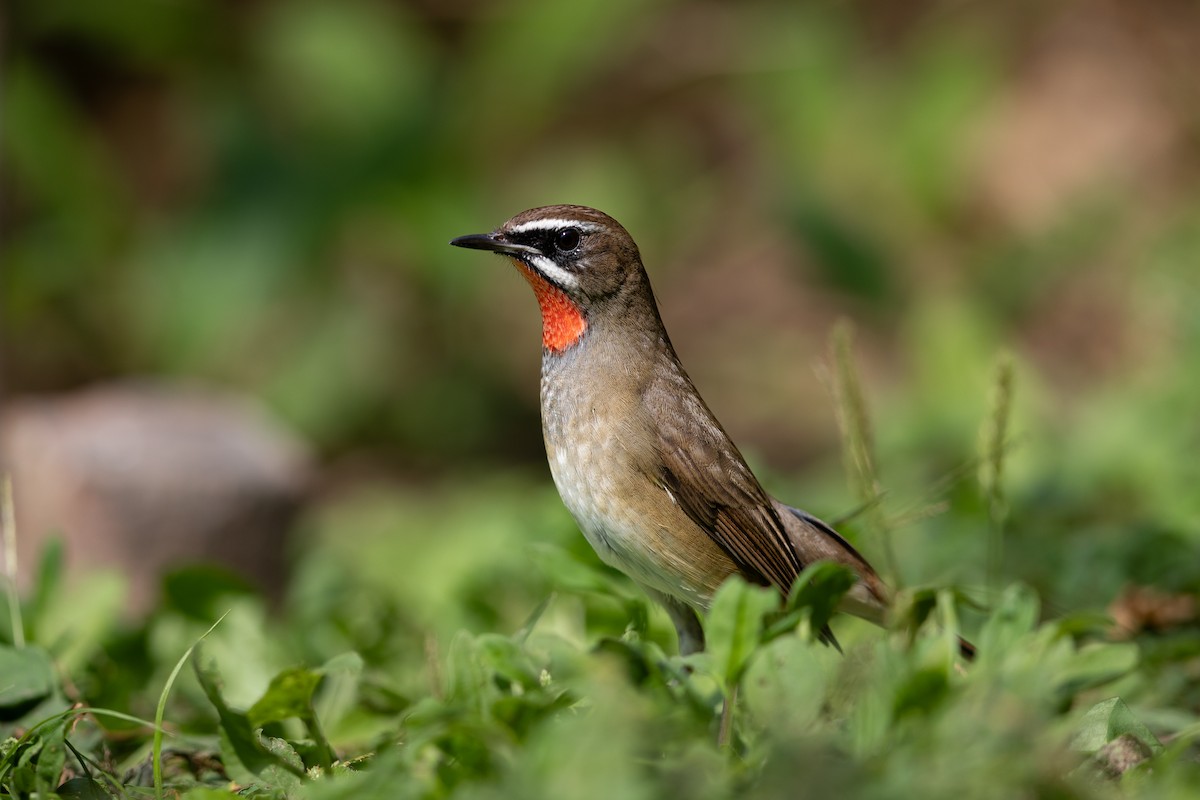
691 640
687 623
725 729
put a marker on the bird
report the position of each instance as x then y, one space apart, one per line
653 480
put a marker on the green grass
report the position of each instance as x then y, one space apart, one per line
536 713
465 643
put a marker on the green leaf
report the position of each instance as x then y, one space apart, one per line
26 678
735 624
647 668
83 789
920 692
47 585
509 660
815 595
289 695
51 757
786 685
1095 665
1084 623
340 689
468 680
283 750
1108 720
386 778
1014 617
74 624
248 759
913 606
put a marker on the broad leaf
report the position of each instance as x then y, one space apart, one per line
1108 720
248 759
815 595
735 624
289 695
1095 665
83 789
1014 617
26 677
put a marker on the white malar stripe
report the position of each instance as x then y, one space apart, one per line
554 224
553 271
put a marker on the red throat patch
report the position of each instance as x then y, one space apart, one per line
562 322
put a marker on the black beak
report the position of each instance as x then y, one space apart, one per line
494 242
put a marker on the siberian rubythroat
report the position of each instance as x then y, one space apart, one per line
657 486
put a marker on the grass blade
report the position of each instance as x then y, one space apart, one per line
8 531
858 439
993 446
156 754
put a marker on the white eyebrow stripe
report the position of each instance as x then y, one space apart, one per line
554 224
553 271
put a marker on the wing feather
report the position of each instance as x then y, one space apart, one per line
702 468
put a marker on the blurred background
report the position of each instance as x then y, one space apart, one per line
233 329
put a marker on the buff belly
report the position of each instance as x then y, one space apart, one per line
631 523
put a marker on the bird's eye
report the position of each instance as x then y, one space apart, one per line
566 240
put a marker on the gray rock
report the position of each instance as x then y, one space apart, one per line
143 477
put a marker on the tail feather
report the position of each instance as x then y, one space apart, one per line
966 649
815 540
825 636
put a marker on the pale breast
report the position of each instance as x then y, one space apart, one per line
596 445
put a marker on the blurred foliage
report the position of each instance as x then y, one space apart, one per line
360 691
260 194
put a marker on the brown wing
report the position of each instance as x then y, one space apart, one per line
712 484
814 539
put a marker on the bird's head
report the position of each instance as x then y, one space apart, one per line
578 260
